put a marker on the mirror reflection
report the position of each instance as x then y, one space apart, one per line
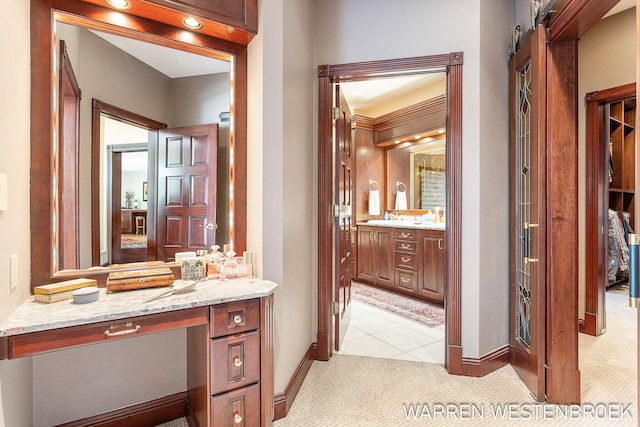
399 129
168 111
417 169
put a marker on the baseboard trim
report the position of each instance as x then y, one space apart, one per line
488 363
149 413
283 401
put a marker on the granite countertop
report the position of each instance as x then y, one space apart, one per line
403 224
34 316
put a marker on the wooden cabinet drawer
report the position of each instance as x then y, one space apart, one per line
407 280
237 408
401 246
408 261
407 234
235 317
73 336
235 361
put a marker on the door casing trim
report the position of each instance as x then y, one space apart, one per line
328 75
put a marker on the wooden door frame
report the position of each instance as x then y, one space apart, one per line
573 19
596 206
328 75
68 152
98 108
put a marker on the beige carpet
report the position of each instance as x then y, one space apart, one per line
365 391
357 391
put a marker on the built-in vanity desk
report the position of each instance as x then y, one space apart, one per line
402 256
229 340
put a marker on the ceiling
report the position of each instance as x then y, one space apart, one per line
170 62
621 6
377 97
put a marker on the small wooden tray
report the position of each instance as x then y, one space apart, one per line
139 279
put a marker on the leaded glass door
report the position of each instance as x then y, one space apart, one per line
527 213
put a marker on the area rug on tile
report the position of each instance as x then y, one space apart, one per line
429 314
130 241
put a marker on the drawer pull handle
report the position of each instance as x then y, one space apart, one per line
135 330
405 280
403 246
405 234
439 243
237 418
407 259
237 361
237 319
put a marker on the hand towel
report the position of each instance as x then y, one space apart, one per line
374 202
401 200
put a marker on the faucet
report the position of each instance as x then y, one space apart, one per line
396 217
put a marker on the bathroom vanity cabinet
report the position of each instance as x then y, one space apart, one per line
375 255
407 260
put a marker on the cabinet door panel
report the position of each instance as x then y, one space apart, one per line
365 267
431 270
385 252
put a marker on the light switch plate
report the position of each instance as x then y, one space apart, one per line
3 192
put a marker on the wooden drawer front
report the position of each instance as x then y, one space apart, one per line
41 342
235 361
406 234
408 261
407 280
239 408
235 317
402 246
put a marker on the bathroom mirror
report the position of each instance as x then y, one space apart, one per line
418 170
48 166
406 117
168 86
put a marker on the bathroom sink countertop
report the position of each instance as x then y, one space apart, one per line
34 316
403 224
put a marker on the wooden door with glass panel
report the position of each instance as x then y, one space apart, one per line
527 213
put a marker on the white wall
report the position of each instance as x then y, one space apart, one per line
496 17
15 376
606 59
280 173
200 99
359 30
73 384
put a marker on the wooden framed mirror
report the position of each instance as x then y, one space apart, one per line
44 198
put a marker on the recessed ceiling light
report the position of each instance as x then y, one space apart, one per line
417 137
397 141
441 131
120 4
192 23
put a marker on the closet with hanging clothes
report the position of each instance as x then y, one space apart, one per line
620 130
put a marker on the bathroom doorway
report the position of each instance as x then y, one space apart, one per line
451 64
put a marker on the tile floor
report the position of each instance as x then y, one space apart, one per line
378 333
